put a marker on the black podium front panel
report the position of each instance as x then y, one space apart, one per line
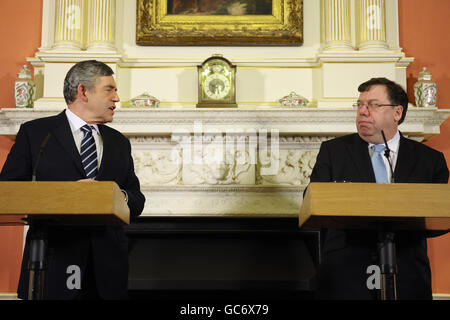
185 257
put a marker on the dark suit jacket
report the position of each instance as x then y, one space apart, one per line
346 253
106 246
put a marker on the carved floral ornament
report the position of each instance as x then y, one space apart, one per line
224 161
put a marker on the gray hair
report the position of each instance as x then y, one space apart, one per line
85 73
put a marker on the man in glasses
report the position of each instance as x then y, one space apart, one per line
347 254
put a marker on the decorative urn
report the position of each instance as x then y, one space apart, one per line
145 100
293 100
425 90
24 89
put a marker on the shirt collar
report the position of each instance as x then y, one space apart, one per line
76 122
393 143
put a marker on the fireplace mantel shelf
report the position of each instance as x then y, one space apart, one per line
302 121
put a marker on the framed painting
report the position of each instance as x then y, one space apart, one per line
219 22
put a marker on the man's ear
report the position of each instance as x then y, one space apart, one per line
81 92
398 111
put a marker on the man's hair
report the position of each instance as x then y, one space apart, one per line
396 94
85 73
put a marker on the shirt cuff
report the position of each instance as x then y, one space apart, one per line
126 195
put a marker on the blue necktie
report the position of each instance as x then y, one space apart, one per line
378 165
88 152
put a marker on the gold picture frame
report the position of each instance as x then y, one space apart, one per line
282 27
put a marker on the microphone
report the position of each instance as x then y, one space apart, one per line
387 151
41 151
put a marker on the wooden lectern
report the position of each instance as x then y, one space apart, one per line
363 205
384 207
58 203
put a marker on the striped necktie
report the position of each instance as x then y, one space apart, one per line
88 152
379 168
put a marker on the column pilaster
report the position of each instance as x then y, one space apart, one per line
69 24
101 25
372 25
337 25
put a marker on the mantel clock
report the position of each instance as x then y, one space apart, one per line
216 83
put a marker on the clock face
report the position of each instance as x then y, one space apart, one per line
216 86
216 83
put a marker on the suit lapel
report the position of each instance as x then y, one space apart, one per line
63 134
359 152
107 141
406 160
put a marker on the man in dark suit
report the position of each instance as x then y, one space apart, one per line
382 105
100 253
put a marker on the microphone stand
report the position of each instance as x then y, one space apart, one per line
36 262
386 250
388 264
38 245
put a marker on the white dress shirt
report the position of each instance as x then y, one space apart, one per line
76 123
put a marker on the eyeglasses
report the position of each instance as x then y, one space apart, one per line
372 105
